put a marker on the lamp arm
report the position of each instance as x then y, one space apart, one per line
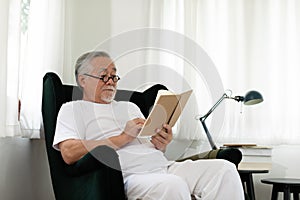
224 96
203 118
210 140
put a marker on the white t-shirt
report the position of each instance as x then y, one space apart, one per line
92 121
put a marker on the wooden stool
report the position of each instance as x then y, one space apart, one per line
285 185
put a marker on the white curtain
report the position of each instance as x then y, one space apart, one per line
4 6
26 58
254 45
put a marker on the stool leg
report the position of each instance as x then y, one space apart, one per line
296 195
287 193
274 192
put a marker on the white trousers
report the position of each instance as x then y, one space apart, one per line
212 179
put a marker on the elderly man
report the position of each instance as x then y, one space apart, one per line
99 120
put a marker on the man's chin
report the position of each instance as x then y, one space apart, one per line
108 99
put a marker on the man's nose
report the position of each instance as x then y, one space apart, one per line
110 81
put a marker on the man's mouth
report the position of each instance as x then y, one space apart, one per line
109 89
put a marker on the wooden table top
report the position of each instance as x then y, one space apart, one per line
283 181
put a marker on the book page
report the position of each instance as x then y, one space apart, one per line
162 112
162 92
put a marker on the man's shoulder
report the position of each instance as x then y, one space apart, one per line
71 103
125 103
75 105
86 104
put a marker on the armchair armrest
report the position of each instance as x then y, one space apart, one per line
101 157
98 174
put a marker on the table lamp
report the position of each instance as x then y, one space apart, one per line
251 98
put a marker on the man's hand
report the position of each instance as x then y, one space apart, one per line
162 137
133 127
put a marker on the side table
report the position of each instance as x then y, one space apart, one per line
285 185
246 170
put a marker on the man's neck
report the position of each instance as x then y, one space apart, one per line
100 101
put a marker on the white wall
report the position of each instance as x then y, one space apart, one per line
24 171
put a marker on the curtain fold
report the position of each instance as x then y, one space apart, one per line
44 52
10 21
4 12
169 15
254 45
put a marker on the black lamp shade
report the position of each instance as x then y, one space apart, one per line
253 97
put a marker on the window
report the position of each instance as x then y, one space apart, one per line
34 35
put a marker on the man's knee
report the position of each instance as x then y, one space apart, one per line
229 166
225 164
174 187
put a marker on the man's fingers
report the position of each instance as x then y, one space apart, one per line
139 121
159 138
157 143
133 127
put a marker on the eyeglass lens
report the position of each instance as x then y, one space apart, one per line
113 78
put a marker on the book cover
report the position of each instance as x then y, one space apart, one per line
250 149
166 110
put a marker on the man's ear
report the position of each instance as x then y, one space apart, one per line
81 80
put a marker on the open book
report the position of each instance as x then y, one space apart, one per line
166 110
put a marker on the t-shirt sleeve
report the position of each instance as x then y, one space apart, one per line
67 126
135 111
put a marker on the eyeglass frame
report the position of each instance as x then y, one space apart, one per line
103 77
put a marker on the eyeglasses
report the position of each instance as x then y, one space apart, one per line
105 79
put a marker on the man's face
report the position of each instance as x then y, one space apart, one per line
96 90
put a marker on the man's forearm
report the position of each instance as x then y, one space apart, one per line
74 149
